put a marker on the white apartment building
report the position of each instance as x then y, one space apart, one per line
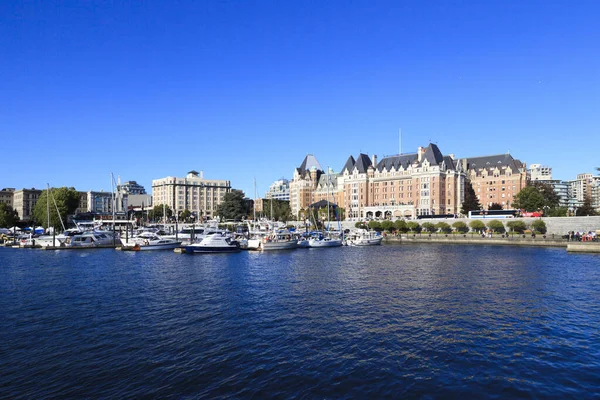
279 190
194 193
539 172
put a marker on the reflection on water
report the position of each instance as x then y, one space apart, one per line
385 321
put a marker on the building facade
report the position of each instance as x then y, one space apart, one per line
131 187
539 172
496 178
279 190
24 200
194 193
7 196
303 185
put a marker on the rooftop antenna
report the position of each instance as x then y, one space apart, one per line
399 141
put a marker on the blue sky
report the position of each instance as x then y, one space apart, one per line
245 89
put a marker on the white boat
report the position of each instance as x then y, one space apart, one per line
214 243
151 241
325 241
93 239
282 240
363 237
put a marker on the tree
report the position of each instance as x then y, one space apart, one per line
429 227
233 206
157 213
470 203
551 198
529 199
516 226
414 226
539 226
8 216
185 215
401 226
387 225
586 208
375 225
477 225
558 212
495 206
443 227
496 226
460 227
65 199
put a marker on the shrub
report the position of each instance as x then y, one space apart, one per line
429 227
539 226
414 226
387 225
360 225
516 226
477 225
375 225
444 227
496 226
401 226
460 227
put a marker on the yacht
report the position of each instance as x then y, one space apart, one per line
282 240
325 241
93 239
214 243
363 237
151 241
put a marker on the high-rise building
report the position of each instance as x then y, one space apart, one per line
131 187
194 193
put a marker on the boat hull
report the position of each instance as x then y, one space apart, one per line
211 249
268 246
168 246
325 243
366 242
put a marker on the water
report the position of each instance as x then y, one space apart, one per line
395 321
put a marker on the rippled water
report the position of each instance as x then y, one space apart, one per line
393 321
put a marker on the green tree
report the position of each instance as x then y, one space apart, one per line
401 226
8 216
233 206
185 215
387 225
470 203
375 225
529 199
360 225
551 198
157 213
558 212
429 227
539 226
586 208
477 225
443 227
495 206
516 226
496 226
414 226
460 227
65 199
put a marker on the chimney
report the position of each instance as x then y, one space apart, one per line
451 156
374 160
420 152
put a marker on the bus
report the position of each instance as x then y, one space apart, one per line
496 214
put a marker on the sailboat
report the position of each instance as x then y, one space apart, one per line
326 239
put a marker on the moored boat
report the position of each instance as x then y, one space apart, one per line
363 237
214 243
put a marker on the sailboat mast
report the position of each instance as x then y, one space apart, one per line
254 199
48 205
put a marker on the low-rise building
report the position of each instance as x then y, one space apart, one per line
24 200
7 196
539 172
279 190
496 178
